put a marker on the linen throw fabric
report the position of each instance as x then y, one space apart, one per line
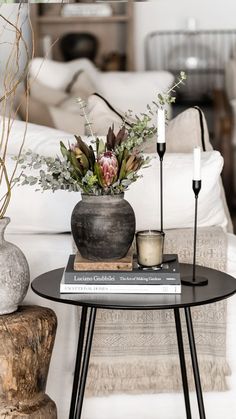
136 351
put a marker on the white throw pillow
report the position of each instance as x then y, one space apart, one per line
183 133
68 120
36 212
102 116
179 199
57 75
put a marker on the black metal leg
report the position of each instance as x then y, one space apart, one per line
195 363
182 363
86 357
78 361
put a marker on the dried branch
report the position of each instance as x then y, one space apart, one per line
12 79
22 77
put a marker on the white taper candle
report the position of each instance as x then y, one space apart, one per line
161 126
196 163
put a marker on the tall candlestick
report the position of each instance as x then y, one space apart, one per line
197 163
195 280
161 149
161 126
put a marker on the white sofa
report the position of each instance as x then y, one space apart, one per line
40 226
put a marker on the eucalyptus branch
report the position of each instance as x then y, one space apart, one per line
83 106
181 79
140 129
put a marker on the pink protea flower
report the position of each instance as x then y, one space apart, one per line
108 164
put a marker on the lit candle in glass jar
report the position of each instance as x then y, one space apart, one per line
150 245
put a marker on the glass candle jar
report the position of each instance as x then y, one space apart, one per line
150 244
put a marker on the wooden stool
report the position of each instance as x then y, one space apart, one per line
26 342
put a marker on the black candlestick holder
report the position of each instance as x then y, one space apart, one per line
195 280
161 149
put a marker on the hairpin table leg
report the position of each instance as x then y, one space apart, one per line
80 374
78 361
182 363
85 365
195 363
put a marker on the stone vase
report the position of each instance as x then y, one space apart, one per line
103 226
14 273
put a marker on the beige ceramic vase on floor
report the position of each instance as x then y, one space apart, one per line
14 273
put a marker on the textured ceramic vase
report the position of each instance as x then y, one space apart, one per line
14 273
103 227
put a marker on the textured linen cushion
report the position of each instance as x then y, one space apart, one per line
183 133
57 108
58 75
178 195
36 112
67 117
68 120
45 94
102 115
81 85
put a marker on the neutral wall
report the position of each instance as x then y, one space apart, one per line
7 34
173 14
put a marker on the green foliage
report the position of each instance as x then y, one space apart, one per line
79 170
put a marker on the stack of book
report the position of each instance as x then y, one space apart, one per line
163 280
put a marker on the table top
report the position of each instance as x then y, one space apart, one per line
220 286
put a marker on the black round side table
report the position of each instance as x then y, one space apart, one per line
220 286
